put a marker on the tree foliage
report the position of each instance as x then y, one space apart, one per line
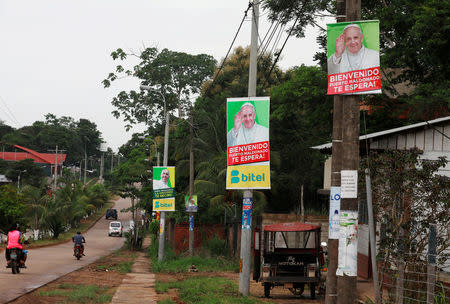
174 75
301 117
71 136
12 208
409 194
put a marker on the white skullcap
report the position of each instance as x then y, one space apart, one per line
353 25
248 104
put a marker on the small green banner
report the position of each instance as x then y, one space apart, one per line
163 193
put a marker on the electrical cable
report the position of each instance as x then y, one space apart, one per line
264 49
10 114
229 49
265 36
284 44
277 40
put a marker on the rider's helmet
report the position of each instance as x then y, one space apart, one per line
78 232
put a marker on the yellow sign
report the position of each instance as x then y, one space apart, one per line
248 177
164 204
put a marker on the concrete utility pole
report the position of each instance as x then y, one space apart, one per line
336 167
191 181
85 163
55 171
162 233
56 167
246 234
346 285
102 163
162 229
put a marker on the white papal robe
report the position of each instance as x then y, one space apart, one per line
245 136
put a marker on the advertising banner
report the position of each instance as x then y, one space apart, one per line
163 189
353 57
247 213
165 204
335 208
163 193
163 178
191 223
247 130
348 244
248 177
191 203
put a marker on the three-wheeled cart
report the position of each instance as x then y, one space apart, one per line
288 255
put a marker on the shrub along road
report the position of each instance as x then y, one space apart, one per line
49 263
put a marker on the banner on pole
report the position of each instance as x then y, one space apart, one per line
163 189
348 244
248 177
247 213
335 208
191 203
165 204
353 57
247 130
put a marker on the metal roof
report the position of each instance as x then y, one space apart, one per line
386 132
295 226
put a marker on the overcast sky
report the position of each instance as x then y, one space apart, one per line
55 53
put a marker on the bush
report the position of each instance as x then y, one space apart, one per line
217 246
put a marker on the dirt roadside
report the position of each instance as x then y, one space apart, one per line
103 273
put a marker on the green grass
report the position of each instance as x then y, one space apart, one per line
166 301
207 290
123 267
173 263
79 293
182 264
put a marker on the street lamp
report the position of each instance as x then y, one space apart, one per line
156 149
166 152
18 178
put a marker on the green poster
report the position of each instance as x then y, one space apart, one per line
370 30
163 177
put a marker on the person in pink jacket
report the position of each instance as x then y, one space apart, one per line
15 240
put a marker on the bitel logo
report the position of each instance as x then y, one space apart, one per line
234 176
156 204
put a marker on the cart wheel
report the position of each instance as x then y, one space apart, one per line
298 289
267 290
312 288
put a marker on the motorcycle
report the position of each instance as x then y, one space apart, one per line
78 251
15 265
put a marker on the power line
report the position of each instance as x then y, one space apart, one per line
229 49
10 114
284 44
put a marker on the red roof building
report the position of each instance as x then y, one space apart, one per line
47 159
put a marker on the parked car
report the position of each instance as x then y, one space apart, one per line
111 214
115 228
289 255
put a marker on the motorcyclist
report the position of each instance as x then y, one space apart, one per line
15 239
78 239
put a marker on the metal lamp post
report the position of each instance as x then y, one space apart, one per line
156 149
165 158
18 178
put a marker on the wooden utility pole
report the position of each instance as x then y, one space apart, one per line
246 234
191 182
336 167
346 285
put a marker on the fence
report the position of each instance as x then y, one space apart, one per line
414 278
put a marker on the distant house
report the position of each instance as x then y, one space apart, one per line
431 138
4 180
48 161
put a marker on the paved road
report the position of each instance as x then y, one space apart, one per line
49 263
